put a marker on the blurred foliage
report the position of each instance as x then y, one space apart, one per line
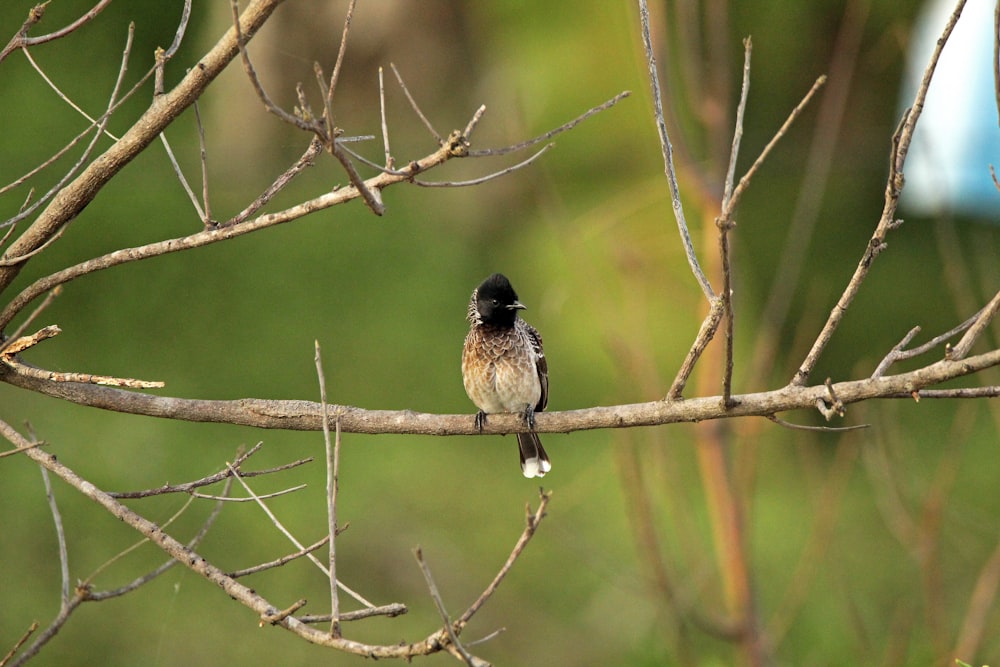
587 237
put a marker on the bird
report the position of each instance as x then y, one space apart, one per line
504 368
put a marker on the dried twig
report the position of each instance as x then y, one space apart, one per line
60 537
390 163
569 125
439 604
887 221
19 643
278 562
21 39
332 477
532 521
415 106
668 155
291 538
8 357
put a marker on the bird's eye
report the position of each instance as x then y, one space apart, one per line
495 302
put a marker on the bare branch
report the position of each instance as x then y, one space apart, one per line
332 481
60 537
547 135
986 315
303 123
887 222
73 198
390 163
745 180
21 39
19 643
391 610
439 603
335 75
306 415
278 562
668 155
705 335
819 429
415 106
8 356
487 177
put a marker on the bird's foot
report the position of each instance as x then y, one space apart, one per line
480 420
529 417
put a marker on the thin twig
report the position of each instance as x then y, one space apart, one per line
487 177
262 95
390 163
60 537
203 152
19 643
961 349
335 75
97 596
15 336
332 472
291 538
899 353
545 136
709 326
734 151
306 160
887 221
415 106
127 550
725 223
745 180
819 429
262 496
474 121
21 40
390 610
372 196
439 603
181 30
278 562
668 155
532 521
180 177
8 357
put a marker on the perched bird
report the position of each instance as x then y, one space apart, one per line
504 368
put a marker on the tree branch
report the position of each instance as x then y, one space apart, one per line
307 416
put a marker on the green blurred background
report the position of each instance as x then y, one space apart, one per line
865 547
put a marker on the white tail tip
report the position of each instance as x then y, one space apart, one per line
535 467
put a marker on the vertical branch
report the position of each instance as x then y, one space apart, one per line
207 212
332 473
725 223
390 163
668 155
60 536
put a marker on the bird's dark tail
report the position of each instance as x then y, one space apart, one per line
534 460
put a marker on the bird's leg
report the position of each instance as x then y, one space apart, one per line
480 420
529 416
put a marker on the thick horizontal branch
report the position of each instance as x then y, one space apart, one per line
307 415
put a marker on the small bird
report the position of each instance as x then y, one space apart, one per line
504 368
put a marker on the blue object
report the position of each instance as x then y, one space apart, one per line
957 137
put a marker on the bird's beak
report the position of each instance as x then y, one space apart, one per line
517 305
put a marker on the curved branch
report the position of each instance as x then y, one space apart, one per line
299 415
